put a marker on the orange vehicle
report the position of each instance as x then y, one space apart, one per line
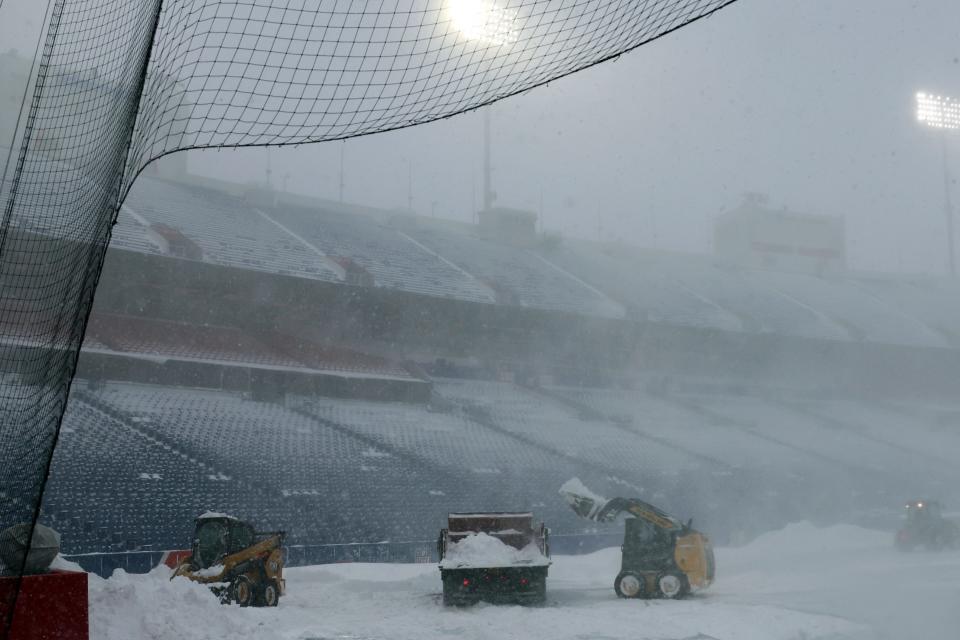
661 556
238 564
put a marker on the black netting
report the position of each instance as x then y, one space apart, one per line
122 82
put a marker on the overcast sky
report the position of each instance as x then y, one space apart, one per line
809 101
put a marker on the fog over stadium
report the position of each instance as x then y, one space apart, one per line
810 102
694 299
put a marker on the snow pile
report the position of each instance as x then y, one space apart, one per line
479 550
209 572
153 607
62 564
574 486
215 514
807 538
834 583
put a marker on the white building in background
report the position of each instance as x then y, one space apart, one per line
758 237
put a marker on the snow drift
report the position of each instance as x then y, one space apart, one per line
835 583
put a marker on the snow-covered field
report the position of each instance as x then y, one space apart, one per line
801 583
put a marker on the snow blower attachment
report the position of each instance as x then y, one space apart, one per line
661 556
495 557
926 527
238 564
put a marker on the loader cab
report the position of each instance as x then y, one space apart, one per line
923 511
647 545
217 536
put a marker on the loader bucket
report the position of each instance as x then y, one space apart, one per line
584 502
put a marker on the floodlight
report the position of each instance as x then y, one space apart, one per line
939 112
484 20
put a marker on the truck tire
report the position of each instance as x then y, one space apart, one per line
241 591
540 597
672 585
449 597
630 584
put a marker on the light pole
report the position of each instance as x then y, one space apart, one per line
340 185
942 113
486 23
488 193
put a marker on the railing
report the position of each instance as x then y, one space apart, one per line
298 555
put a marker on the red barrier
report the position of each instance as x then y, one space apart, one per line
173 558
50 606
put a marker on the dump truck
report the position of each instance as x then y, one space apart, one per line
925 526
495 557
661 557
239 564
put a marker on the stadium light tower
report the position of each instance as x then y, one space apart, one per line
486 22
942 113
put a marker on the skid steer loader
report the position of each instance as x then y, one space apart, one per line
661 556
238 564
926 526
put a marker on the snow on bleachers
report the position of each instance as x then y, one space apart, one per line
683 428
225 228
866 317
518 276
650 295
112 488
354 491
131 235
543 420
392 259
727 299
935 302
919 436
477 467
840 445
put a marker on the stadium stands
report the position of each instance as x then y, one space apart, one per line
936 302
576 277
329 464
519 277
289 455
865 317
392 259
225 229
114 487
157 338
481 468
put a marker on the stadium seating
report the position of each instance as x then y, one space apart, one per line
227 230
392 259
519 277
149 337
113 487
574 277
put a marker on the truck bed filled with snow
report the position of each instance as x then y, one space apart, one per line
481 550
837 583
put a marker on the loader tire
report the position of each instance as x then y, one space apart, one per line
269 595
241 591
672 585
630 584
